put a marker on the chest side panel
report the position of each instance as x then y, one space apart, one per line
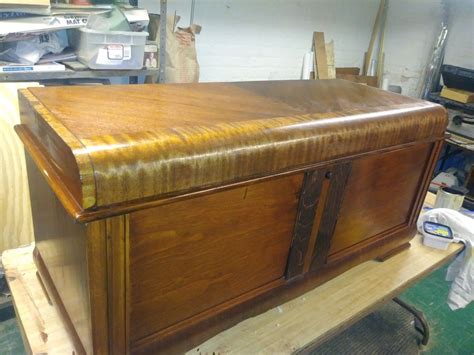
380 194
71 262
192 255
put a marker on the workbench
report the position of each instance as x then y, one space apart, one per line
296 326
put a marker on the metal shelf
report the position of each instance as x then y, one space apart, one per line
74 74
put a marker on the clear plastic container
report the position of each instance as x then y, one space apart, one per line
436 242
109 49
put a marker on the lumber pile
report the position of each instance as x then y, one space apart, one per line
323 63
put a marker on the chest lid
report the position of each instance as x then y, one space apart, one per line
119 145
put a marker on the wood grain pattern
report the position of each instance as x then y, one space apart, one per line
251 130
295 325
361 216
98 274
225 245
40 322
426 180
178 339
61 146
308 202
16 226
299 325
210 176
338 176
55 298
348 70
317 223
360 79
49 171
72 264
241 308
118 283
320 58
331 60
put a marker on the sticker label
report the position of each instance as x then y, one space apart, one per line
114 54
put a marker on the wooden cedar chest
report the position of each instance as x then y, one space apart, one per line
164 214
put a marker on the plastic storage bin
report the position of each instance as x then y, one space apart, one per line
433 241
436 235
109 50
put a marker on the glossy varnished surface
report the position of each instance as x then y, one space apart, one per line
196 193
190 256
297 327
136 142
62 245
88 112
364 213
71 259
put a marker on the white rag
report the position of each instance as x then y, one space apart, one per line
461 270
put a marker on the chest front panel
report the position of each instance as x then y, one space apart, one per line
193 259
192 255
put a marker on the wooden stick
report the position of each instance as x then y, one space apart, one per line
315 65
368 57
381 54
320 59
380 66
331 60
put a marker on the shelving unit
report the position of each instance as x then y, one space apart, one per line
74 74
86 73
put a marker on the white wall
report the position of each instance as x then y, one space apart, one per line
460 45
266 39
412 28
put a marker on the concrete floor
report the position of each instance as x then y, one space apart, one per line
451 332
10 337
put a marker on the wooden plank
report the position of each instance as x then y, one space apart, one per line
381 47
361 79
348 70
308 202
320 59
380 66
307 321
16 227
39 320
331 60
457 95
